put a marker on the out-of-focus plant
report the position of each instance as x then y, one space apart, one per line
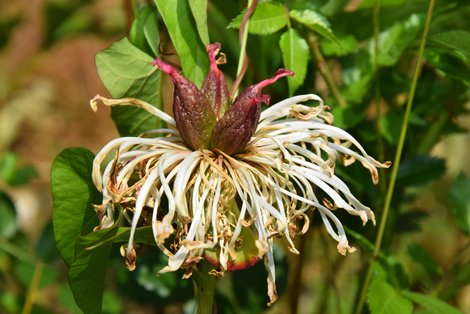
396 76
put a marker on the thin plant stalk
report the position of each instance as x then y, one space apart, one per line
33 288
243 37
396 163
325 70
377 96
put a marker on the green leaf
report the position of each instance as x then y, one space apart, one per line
316 22
12 173
181 27
431 304
295 54
144 32
451 65
384 299
126 71
459 200
119 234
86 276
390 126
422 257
343 46
394 40
152 33
455 41
199 11
73 194
8 225
25 271
268 18
419 170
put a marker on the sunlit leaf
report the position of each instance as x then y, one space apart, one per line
459 200
268 18
431 304
295 54
314 21
341 47
126 71
74 195
144 31
199 11
394 40
384 299
184 36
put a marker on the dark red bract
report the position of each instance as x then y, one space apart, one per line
205 118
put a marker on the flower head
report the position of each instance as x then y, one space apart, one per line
225 178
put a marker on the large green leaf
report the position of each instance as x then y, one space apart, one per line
455 40
459 201
268 18
384 299
315 21
184 35
86 276
295 54
199 11
126 71
432 305
73 195
73 215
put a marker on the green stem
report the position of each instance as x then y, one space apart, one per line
377 96
242 60
325 70
33 288
396 163
204 287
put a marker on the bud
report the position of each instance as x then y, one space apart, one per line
193 114
204 117
237 126
214 86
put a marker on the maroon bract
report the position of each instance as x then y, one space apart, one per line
205 118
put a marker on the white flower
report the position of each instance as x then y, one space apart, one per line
204 203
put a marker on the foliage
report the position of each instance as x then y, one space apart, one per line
364 76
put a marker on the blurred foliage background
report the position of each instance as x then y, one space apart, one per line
48 75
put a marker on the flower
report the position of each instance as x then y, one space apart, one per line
224 179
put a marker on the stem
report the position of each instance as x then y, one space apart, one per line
204 287
396 163
33 288
325 70
377 96
243 37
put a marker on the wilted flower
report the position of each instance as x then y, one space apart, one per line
225 178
